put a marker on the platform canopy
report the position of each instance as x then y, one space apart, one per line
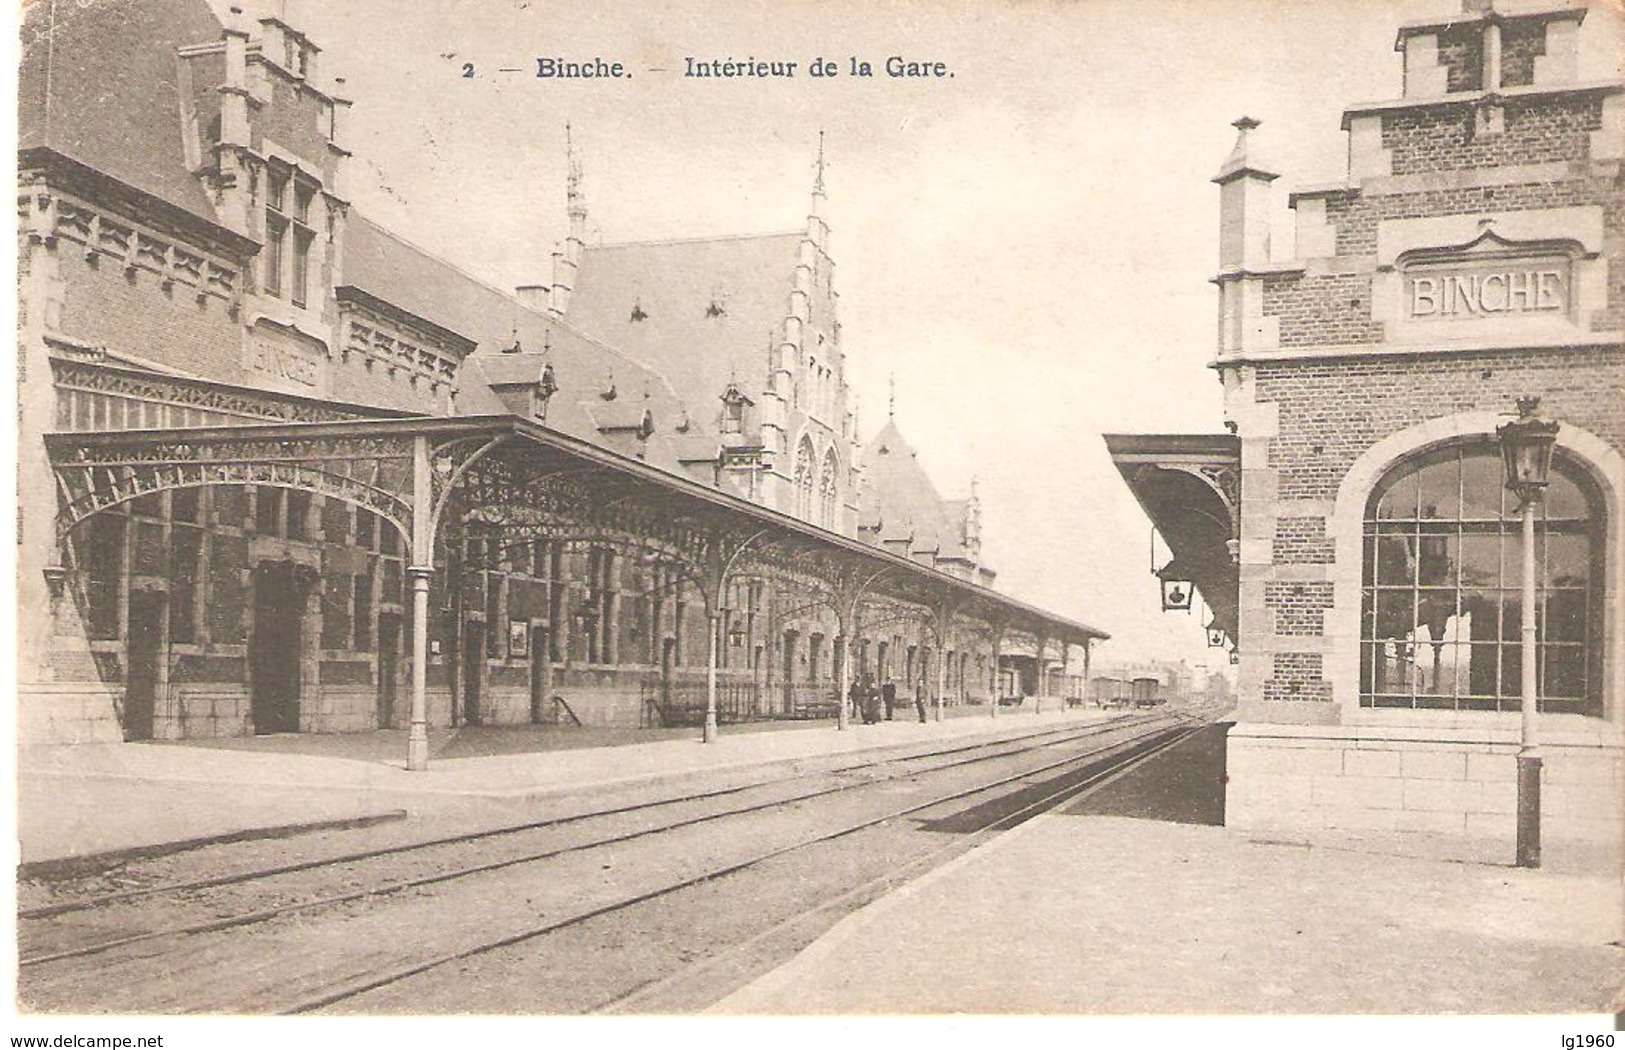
507 479
491 474
1190 487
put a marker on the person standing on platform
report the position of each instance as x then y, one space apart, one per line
888 697
919 698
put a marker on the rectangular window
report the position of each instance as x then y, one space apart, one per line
183 504
302 239
303 194
268 511
276 189
363 612
336 613
298 514
336 522
392 585
104 566
185 573
276 235
365 528
495 624
389 538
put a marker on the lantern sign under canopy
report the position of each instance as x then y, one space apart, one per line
1176 594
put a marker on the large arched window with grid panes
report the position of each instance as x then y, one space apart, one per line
1441 607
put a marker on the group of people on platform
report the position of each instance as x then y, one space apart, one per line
870 701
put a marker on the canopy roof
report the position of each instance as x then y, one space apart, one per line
1189 486
521 461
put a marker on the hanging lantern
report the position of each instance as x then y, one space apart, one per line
1216 637
1176 594
1235 656
1526 450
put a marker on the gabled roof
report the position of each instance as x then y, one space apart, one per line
899 495
100 83
710 308
413 280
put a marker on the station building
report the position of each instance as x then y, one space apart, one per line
281 470
1351 530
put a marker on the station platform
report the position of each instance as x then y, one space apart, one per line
97 799
1087 910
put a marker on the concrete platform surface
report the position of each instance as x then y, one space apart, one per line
97 798
1079 913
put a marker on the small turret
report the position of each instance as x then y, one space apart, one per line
1244 201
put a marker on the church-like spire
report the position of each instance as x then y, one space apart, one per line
818 180
567 263
817 226
576 200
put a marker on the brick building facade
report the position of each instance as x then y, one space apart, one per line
1473 255
280 469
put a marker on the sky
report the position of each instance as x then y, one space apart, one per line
1025 246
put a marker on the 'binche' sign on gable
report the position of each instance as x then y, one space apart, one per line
1491 277
1441 290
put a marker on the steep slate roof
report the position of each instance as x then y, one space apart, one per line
674 284
900 496
99 84
411 279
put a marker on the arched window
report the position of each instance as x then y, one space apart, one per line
804 480
1441 591
829 491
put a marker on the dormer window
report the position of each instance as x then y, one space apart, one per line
287 217
734 402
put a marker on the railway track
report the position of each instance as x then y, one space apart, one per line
980 752
155 928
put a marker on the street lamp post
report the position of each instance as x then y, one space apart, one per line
1526 453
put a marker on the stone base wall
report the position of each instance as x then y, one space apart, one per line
204 711
67 713
1457 784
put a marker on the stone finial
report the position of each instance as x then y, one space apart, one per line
1244 157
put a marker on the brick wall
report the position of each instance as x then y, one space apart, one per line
1534 132
1315 310
137 316
1301 541
1356 216
1297 676
296 120
1331 411
1300 608
1521 44
1461 53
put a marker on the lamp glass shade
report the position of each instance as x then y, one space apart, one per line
1526 452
